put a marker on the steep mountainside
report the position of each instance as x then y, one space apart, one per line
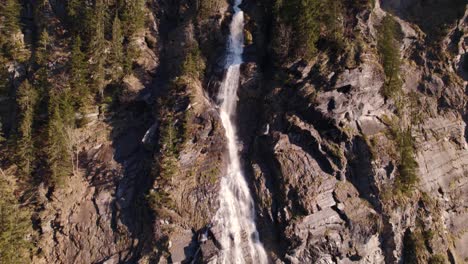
351 129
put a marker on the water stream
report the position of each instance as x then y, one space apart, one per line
236 216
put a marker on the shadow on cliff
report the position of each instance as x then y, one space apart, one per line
130 208
130 124
442 14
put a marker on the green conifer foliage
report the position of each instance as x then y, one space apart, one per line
4 83
15 226
303 16
133 16
193 65
80 18
10 11
42 49
10 25
58 141
2 137
390 56
98 47
26 102
78 73
117 52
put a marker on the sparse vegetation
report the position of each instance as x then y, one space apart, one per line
407 166
207 8
2 135
389 51
193 65
210 176
174 128
413 247
437 259
436 28
388 47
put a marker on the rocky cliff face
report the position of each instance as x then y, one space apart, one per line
324 170
321 144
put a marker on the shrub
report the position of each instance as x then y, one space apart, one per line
193 65
437 259
207 8
389 51
407 164
407 176
413 247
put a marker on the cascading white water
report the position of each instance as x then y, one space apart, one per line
235 218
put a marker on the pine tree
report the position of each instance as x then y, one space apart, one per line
133 16
78 71
4 83
10 12
41 76
390 56
117 51
26 102
193 65
74 10
332 17
42 49
67 109
15 226
58 150
97 47
2 137
304 17
80 18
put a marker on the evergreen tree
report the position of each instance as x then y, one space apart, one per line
388 46
15 226
117 51
332 18
58 150
4 83
2 137
304 18
42 49
133 16
75 10
98 44
10 11
193 65
10 14
67 110
41 76
80 19
78 71
26 102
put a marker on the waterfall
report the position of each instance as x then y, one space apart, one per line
235 218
